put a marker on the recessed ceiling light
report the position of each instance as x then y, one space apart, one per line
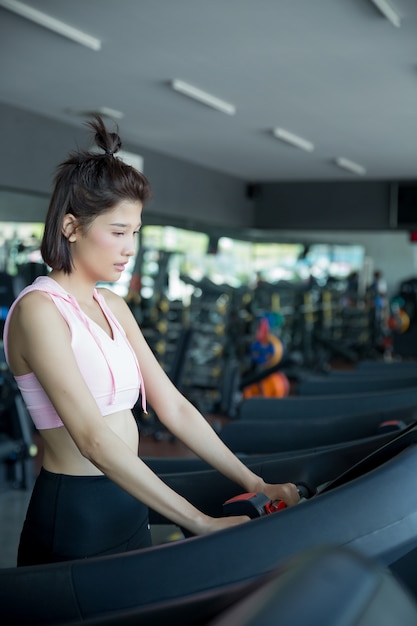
49 22
350 166
294 140
203 96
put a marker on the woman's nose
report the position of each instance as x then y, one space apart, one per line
130 248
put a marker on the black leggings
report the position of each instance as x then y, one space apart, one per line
74 517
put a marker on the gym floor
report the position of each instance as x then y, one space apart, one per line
13 502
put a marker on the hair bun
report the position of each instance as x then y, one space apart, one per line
107 141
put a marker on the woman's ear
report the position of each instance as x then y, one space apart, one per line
69 227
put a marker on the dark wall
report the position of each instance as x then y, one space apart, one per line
323 206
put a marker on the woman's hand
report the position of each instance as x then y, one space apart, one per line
287 492
282 491
220 523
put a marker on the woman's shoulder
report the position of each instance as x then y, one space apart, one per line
112 299
116 304
34 304
34 315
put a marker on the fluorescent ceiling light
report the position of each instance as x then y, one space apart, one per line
203 97
294 140
355 168
388 11
45 20
130 158
103 111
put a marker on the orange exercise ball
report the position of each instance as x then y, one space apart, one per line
275 385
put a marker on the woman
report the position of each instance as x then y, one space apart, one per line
75 352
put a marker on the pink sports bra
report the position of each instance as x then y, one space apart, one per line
108 365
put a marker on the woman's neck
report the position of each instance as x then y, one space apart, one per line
81 289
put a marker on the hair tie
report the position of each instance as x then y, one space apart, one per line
109 152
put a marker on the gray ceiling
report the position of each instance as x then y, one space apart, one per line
335 72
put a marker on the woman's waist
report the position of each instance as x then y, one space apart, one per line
62 456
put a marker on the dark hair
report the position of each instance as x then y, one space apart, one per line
88 184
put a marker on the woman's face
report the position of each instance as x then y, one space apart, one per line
103 250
